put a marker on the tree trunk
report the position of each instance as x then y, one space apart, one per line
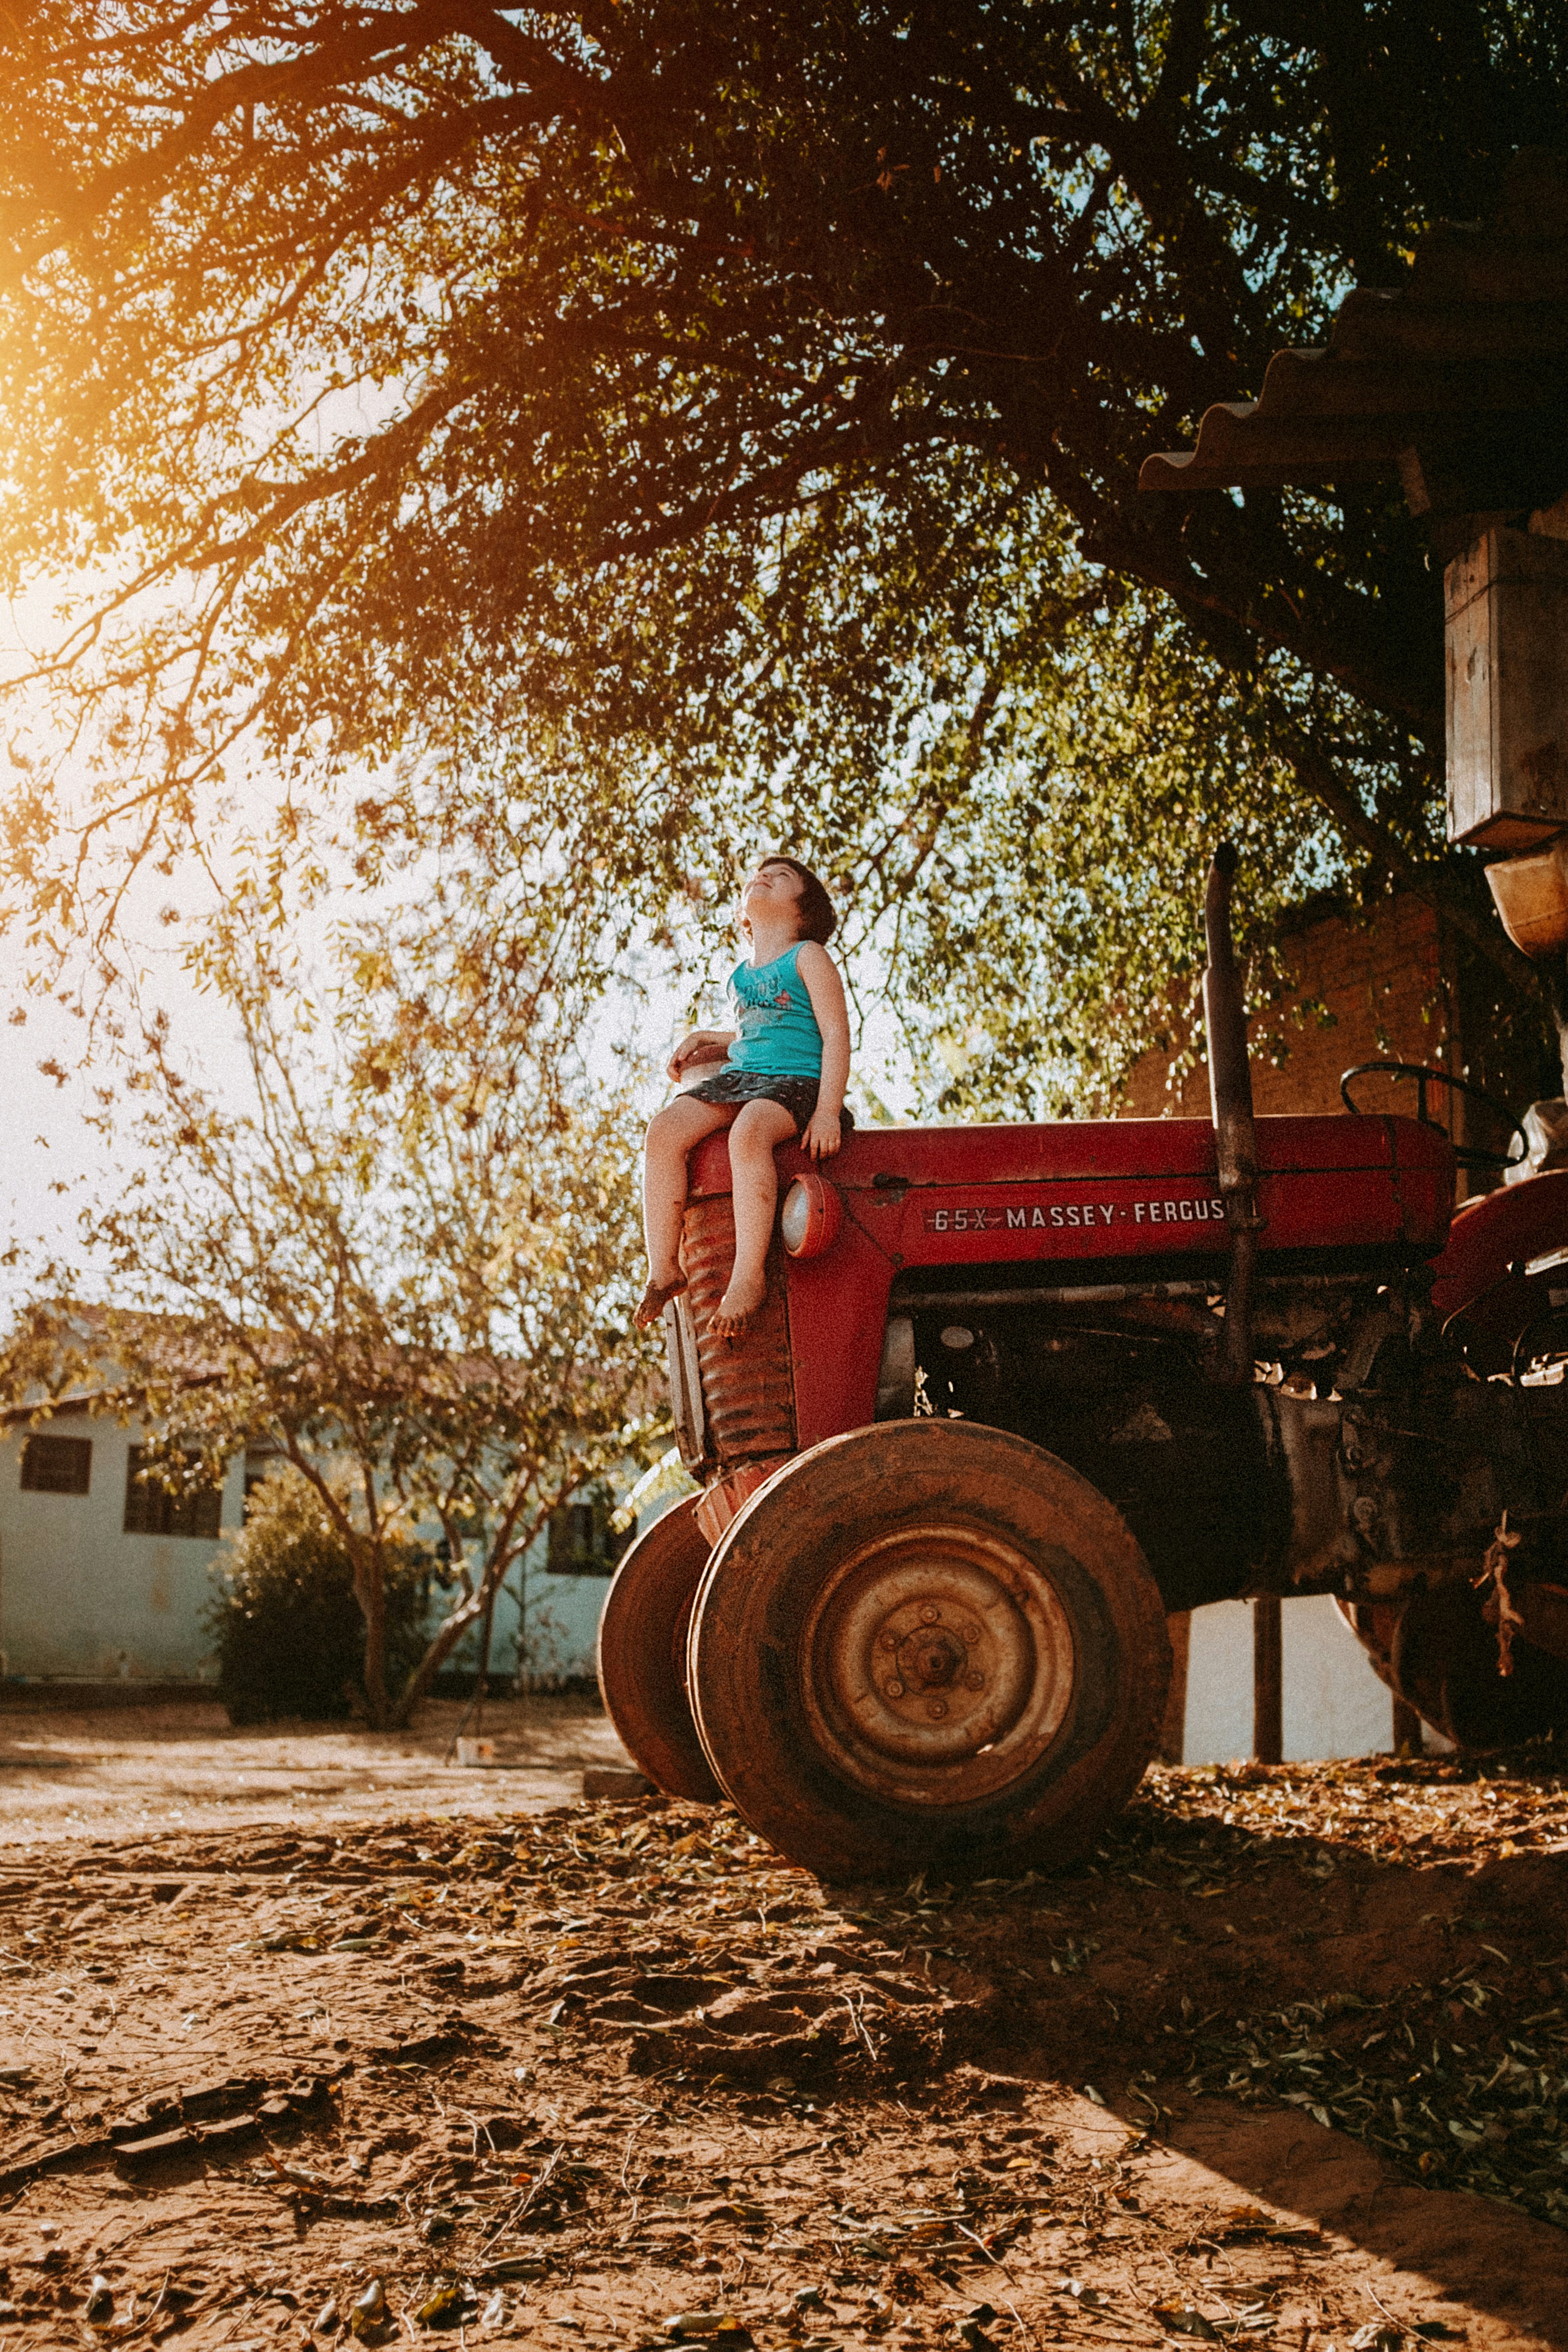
448 1635
482 1680
370 1591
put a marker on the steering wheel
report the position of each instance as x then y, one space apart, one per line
1468 1155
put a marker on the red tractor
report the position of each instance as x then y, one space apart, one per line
1019 1392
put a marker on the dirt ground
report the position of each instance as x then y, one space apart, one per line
137 1770
1285 2064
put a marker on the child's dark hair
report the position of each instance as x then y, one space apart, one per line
818 915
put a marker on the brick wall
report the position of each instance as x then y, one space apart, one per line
1355 991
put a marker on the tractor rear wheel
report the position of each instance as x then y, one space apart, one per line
1436 1652
928 1646
642 1655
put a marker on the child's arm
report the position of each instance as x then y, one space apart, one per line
699 1045
820 974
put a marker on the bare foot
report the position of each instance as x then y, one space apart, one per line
655 1299
737 1307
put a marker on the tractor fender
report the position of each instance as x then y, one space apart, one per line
1488 1307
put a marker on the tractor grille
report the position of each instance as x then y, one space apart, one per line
746 1384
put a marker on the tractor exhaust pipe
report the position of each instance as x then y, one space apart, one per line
1236 1136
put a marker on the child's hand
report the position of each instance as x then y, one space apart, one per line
823 1135
699 1046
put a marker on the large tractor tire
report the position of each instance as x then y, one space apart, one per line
928 1646
1435 1651
642 1655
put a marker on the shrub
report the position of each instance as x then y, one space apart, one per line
289 1631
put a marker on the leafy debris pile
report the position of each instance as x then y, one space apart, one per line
1486 2114
1396 1810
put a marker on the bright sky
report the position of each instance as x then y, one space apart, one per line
56 1160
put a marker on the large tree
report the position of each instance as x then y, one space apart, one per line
403 1264
686 420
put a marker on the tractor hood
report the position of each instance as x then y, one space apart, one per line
1074 1203
1125 1188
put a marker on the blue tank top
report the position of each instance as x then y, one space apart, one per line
772 1011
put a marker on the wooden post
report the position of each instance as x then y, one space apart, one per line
1268 1681
1173 1729
1409 1732
1506 602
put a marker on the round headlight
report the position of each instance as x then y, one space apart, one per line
813 1212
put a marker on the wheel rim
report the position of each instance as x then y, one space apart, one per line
937 1666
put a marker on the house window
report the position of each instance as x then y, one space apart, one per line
152 1510
57 1466
582 1541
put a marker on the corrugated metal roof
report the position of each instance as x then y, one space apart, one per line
1458 381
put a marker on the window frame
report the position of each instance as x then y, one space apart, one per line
568 1554
151 1510
40 1442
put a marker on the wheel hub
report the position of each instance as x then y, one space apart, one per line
933 1660
938 1662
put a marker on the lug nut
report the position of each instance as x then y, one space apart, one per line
928 1614
937 1709
890 1641
974 1680
970 1634
894 1690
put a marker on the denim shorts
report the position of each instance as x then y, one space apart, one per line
798 1096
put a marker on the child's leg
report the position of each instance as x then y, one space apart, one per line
672 1134
761 1126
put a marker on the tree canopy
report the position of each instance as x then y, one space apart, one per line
683 424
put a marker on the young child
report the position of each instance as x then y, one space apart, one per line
784 1075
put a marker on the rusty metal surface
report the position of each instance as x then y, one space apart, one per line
938 1664
726 1496
642 1655
1394 1473
746 1385
1545 1612
686 1386
1437 1652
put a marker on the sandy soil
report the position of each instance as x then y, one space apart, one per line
596 2073
133 1769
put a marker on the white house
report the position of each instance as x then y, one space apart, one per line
102 1578
1334 1704
106 1579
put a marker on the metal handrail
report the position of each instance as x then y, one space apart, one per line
1468 1155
